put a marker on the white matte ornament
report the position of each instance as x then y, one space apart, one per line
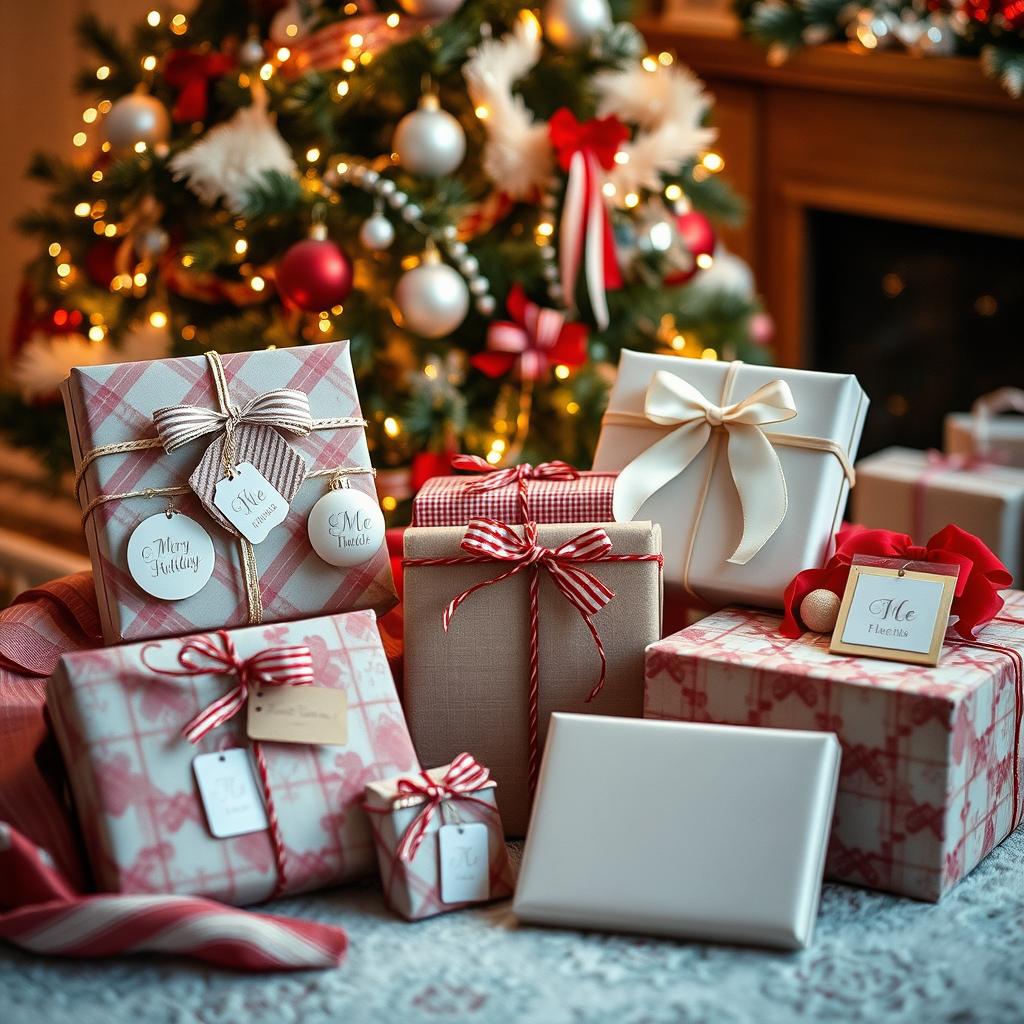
433 299
170 556
137 117
346 527
572 24
429 140
819 611
377 233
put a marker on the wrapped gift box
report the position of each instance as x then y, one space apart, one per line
985 435
119 725
412 885
696 831
455 500
931 756
468 688
918 493
115 404
699 508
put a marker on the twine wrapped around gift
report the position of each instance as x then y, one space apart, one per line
487 541
283 409
693 422
290 665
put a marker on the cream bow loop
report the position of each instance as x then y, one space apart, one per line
753 462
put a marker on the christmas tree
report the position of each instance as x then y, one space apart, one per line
489 201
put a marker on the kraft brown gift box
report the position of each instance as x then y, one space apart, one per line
467 689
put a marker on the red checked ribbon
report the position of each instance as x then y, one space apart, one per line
275 666
465 776
584 149
532 341
487 540
495 479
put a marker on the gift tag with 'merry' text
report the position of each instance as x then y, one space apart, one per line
298 714
170 556
465 862
250 503
230 795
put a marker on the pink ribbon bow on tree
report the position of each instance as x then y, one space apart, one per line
585 149
465 775
535 339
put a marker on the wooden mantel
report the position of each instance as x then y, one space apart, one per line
925 140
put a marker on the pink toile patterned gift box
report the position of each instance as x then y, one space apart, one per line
930 776
119 716
407 814
112 405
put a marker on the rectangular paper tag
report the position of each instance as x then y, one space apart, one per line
250 503
230 794
465 862
298 714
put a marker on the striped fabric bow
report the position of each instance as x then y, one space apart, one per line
465 775
284 408
200 656
494 478
490 539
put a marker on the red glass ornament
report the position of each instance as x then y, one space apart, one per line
314 275
700 240
1013 14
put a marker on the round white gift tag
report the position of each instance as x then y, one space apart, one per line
170 556
346 527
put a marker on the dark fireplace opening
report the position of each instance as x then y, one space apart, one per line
927 318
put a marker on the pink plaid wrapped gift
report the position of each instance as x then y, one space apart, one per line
406 814
119 715
931 767
112 405
550 492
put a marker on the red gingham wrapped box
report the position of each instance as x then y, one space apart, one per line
553 492
115 404
119 725
930 777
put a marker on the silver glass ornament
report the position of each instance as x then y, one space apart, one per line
432 298
377 233
137 117
573 24
429 140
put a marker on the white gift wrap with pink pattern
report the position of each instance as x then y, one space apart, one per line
130 769
928 776
112 404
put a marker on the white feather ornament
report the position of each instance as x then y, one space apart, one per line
232 157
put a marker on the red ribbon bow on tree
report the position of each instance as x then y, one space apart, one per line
465 775
583 150
190 71
976 598
533 340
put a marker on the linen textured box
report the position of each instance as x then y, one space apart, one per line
114 404
911 492
119 726
983 434
455 500
931 755
413 888
699 507
468 688
696 831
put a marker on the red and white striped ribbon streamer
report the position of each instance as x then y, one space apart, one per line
494 479
41 913
465 775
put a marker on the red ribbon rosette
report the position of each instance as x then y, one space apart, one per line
976 599
190 71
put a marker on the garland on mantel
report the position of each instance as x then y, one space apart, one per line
991 30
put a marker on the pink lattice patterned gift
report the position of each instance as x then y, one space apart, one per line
119 725
110 405
931 769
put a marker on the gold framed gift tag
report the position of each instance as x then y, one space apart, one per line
896 611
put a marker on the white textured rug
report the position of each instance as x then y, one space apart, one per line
875 959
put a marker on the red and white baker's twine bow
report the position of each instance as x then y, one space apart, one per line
487 540
276 666
494 479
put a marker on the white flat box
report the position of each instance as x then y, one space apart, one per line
829 406
669 828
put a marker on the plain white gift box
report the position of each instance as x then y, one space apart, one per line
671 828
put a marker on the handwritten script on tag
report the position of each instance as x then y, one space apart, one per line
230 795
250 503
298 714
465 862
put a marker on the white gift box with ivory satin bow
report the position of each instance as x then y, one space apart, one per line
747 468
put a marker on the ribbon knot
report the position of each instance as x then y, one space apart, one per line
465 775
753 462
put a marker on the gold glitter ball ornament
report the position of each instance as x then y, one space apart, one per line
819 611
